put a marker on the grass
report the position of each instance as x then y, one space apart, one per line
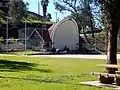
22 52
1 20
38 21
34 73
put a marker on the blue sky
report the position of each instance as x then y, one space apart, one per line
33 6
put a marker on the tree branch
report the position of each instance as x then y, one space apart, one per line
74 8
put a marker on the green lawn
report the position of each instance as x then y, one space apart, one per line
22 52
30 73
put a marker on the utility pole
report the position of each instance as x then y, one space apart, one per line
56 16
39 8
7 31
44 4
25 35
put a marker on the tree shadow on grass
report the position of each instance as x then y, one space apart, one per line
15 66
38 79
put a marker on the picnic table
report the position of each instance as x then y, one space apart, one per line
106 77
109 65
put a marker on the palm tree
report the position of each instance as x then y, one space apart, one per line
44 4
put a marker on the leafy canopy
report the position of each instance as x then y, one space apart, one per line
17 9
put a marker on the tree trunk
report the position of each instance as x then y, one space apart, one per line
91 21
106 40
87 40
111 11
81 27
44 10
113 27
112 45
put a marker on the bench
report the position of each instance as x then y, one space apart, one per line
109 65
108 78
106 74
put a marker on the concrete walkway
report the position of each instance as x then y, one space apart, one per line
7 55
67 56
75 56
98 84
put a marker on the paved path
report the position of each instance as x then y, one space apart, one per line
7 55
67 56
76 56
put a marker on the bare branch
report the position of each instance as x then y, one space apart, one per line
70 5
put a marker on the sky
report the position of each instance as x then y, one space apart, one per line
33 6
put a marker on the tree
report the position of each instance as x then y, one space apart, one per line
2 17
17 9
80 9
48 17
85 16
111 11
1 14
44 4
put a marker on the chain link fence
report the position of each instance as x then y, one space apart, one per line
31 44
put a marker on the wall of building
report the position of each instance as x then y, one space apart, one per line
66 34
